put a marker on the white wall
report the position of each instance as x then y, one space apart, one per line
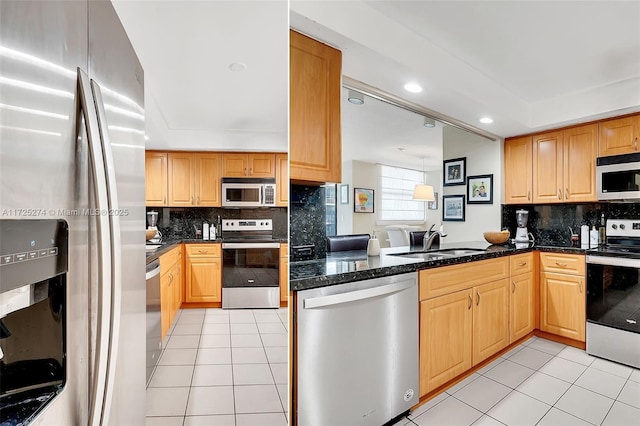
483 157
344 212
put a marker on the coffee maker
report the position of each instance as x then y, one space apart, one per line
152 221
522 233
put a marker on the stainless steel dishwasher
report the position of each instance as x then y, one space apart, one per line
357 348
154 328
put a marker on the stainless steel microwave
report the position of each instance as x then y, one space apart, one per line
247 192
618 177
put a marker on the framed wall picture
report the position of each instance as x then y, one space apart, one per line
433 205
453 208
480 189
344 194
454 171
362 200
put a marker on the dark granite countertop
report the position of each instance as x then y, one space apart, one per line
166 246
349 266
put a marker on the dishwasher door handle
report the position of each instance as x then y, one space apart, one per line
354 296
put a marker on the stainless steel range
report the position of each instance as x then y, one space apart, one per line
251 259
613 294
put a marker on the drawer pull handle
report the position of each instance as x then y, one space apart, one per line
522 264
559 194
478 302
529 195
470 302
514 286
562 265
203 251
566 193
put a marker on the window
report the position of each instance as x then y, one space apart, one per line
396 198
330 205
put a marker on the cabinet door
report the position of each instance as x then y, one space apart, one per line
563 305
282 180
155 178
181 186
580 152
445 339
315 151
235 165
207 179
177 289
521 307
518 170
165 309
262 165
203 280
619 136
284 274
548 168
490 319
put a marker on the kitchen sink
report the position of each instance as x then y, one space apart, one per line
439 254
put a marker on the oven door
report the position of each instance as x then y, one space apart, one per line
613 292
250 275
618 177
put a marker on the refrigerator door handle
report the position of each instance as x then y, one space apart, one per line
98 387
116 250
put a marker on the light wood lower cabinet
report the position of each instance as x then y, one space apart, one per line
203 273
521 306
562 303
490 319
445 339
170 287
284 274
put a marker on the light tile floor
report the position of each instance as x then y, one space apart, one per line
222 368
538 383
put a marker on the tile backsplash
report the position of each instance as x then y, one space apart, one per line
180 223
308 219
549 223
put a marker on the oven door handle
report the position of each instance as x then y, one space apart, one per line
613 261
249 245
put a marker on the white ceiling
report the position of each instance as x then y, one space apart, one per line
193 100
530 65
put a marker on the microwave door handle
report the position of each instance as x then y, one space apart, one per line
98 388
261 195
116 251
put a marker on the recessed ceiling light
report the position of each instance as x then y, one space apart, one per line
413 87
238 67
429 122
355 98
486 120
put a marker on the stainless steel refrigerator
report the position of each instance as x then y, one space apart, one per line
72 150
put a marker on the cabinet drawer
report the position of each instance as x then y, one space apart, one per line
168 260
562 263
521 263
203 250
447 279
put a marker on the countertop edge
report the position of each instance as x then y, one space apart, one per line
169 245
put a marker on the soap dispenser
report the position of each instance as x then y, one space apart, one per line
373 247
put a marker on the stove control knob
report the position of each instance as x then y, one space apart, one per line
621 226
614 226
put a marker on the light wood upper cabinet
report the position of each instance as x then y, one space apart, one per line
490 319
315 151
563 295
445 339
564 165
518 170
256 165
619 136
194 179
155 178
203 273
282 180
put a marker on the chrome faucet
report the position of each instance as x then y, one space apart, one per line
431 239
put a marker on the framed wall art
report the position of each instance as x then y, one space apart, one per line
433 205
454 171
362 200
453 208
480 189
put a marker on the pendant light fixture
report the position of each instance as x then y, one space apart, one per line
423 192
